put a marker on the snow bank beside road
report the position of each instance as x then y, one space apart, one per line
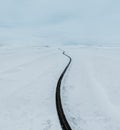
91 92
28 77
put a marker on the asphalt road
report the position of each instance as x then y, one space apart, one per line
62 118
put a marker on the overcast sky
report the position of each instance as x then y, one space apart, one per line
74 20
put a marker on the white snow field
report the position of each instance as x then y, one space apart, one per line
28 78
91 89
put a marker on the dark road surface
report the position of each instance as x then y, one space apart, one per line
62 118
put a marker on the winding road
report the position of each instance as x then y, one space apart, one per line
62 118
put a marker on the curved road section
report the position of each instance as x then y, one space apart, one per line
63 121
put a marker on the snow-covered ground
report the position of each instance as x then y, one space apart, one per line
90 91
28 78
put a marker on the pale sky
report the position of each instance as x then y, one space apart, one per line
74 20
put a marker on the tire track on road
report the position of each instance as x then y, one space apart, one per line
62 118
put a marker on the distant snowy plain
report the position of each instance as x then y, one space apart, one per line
90 89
